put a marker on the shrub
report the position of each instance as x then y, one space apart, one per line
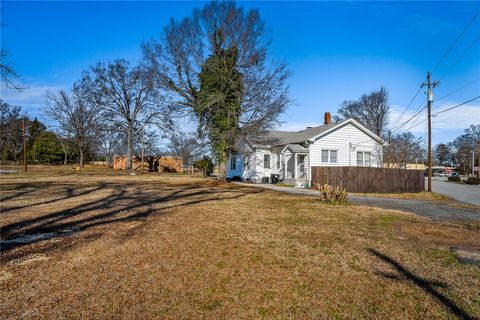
332 194
205 165
473 180
454 179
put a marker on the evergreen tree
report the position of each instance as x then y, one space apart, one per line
48 148
35 130
220 97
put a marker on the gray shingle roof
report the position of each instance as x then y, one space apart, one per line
297 147
278 138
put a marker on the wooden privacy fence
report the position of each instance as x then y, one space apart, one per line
368 180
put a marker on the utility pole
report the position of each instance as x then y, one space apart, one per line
429 92
24 146
473 163
143 144
478 160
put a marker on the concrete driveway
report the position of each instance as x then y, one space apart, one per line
461 192
436 210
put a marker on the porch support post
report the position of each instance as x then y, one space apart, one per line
295 173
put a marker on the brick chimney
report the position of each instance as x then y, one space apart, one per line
327 118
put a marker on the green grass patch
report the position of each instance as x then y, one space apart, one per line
446 257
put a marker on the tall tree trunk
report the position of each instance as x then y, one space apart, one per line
65 154
129 146
222 170
81 158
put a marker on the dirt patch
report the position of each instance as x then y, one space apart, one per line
30 260
5 275
467 255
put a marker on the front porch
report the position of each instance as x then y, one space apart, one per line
294 165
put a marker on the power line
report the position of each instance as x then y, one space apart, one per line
410 119
396 126
456 90
459 58
456 41
456 106
416 124
408 106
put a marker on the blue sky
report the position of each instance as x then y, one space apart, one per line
336 50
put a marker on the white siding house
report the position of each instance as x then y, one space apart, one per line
291 155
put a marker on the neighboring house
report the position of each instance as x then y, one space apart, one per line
150 163
291 155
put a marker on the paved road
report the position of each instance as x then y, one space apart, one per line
435 210
3 171
461 192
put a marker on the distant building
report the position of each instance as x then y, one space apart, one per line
409 166
150 163
442 170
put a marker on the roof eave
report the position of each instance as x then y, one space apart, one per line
354 122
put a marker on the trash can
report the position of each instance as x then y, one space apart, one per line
274 178
265 180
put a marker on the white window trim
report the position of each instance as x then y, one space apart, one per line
269 160
329 157
246 162
363 158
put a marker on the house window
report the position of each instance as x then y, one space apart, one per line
325 156
364 159
333 156
266 161
278 160
329 156
233 163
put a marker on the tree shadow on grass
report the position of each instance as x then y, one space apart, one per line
121 205
69 193
426 285
14 195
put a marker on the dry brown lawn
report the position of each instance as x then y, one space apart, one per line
97 244
427 196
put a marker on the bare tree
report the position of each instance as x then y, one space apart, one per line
189 146
184 47
463 152
473 134
10 131
372 110
442 153
452 151
77 115
111 142
404 148
128 98
7 71
64 139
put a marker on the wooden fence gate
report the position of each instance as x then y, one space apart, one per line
370 180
